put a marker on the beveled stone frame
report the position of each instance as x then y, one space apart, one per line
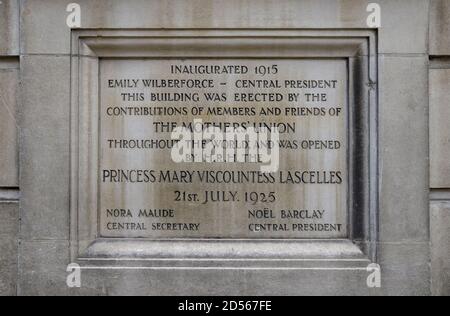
358 47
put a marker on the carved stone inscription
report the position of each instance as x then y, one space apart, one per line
145 193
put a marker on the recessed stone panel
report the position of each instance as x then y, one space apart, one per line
9 227
439 27
145 192
9 27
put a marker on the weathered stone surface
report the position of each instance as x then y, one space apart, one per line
9 27
8 266
45 146
440 250
405 268
239 282
9 124
396 279
439 128
404 26
45 263
439 27
9 222
42 268
9 216
404 149
44 28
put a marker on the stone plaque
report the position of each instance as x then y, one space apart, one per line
145 193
